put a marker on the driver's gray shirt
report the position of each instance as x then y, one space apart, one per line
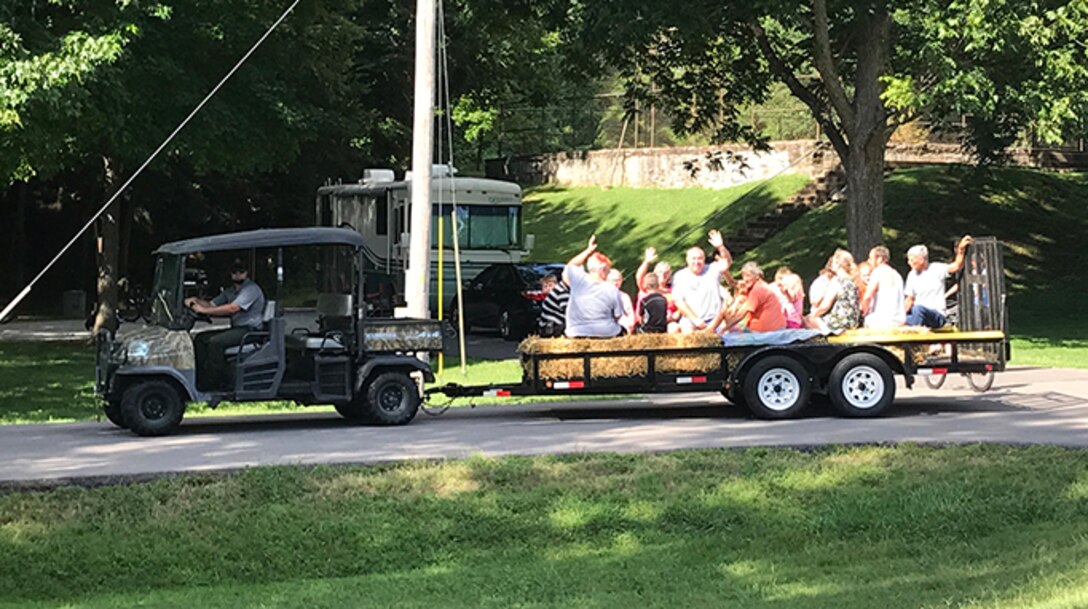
250 300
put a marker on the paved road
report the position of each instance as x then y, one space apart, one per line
1045 406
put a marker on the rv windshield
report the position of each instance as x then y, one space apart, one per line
480 226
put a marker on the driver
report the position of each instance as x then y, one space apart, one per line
244 304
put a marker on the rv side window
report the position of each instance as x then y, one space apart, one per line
382 218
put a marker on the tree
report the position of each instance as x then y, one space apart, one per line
862 68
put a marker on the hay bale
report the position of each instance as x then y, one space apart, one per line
621 366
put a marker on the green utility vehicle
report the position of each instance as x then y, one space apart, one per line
372 369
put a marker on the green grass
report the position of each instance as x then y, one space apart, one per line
983 527
628 220
1040 217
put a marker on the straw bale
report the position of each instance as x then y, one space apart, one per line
621 366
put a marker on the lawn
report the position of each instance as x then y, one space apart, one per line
1040 217
909 527
628 220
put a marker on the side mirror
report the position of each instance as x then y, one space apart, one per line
530 242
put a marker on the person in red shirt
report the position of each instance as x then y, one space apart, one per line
761 308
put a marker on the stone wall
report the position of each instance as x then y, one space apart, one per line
681 167
729 165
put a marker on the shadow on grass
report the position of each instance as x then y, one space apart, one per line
913 527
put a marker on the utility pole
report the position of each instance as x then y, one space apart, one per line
417 276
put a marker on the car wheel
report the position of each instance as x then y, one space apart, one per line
112 409
776 387
352 411
861 385
506 326
152 408
392 398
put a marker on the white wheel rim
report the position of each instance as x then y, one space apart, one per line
778 389
863 387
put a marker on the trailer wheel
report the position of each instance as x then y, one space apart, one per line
152 408
861 385
112 409
776 387
392 398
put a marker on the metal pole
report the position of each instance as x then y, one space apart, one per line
441 360
416 278
460 296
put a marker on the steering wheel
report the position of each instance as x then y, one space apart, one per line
187 318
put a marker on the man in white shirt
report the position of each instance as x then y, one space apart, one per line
925 300
882 302
696 289
595 305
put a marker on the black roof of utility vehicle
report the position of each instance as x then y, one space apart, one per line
265 237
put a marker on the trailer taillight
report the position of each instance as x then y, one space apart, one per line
534 295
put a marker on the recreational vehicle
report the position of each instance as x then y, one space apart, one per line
378 207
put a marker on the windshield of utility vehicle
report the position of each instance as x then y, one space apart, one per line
164 290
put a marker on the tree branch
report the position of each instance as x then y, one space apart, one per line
826 67
800 91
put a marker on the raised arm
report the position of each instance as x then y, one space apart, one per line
961 249
718 244
580 258
644 268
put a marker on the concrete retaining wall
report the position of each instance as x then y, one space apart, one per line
729 165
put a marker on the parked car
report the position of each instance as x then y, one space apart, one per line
505 297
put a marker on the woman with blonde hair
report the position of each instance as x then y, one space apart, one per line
838 308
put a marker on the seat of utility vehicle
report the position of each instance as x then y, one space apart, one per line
334 324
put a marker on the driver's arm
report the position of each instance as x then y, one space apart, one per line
223 310
200 301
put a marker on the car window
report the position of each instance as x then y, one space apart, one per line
531 274
485 276
504 277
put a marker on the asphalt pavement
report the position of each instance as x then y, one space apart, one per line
1025 406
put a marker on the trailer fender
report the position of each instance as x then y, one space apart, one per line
184 380
367 369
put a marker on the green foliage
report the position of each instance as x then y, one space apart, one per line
910 527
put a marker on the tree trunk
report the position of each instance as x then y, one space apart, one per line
108 255
864 166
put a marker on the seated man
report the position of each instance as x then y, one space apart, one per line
595 306
696 289
925 289
882 302
761 308
244 304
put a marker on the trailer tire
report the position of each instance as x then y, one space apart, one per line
861 385
392 398
776 387
152 408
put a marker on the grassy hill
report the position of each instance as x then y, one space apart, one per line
627 220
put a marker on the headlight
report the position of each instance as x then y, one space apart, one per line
138 349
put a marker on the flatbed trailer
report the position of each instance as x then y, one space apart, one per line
774 381
855 369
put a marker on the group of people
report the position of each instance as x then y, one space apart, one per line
588 301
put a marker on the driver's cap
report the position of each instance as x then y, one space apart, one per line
238 266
